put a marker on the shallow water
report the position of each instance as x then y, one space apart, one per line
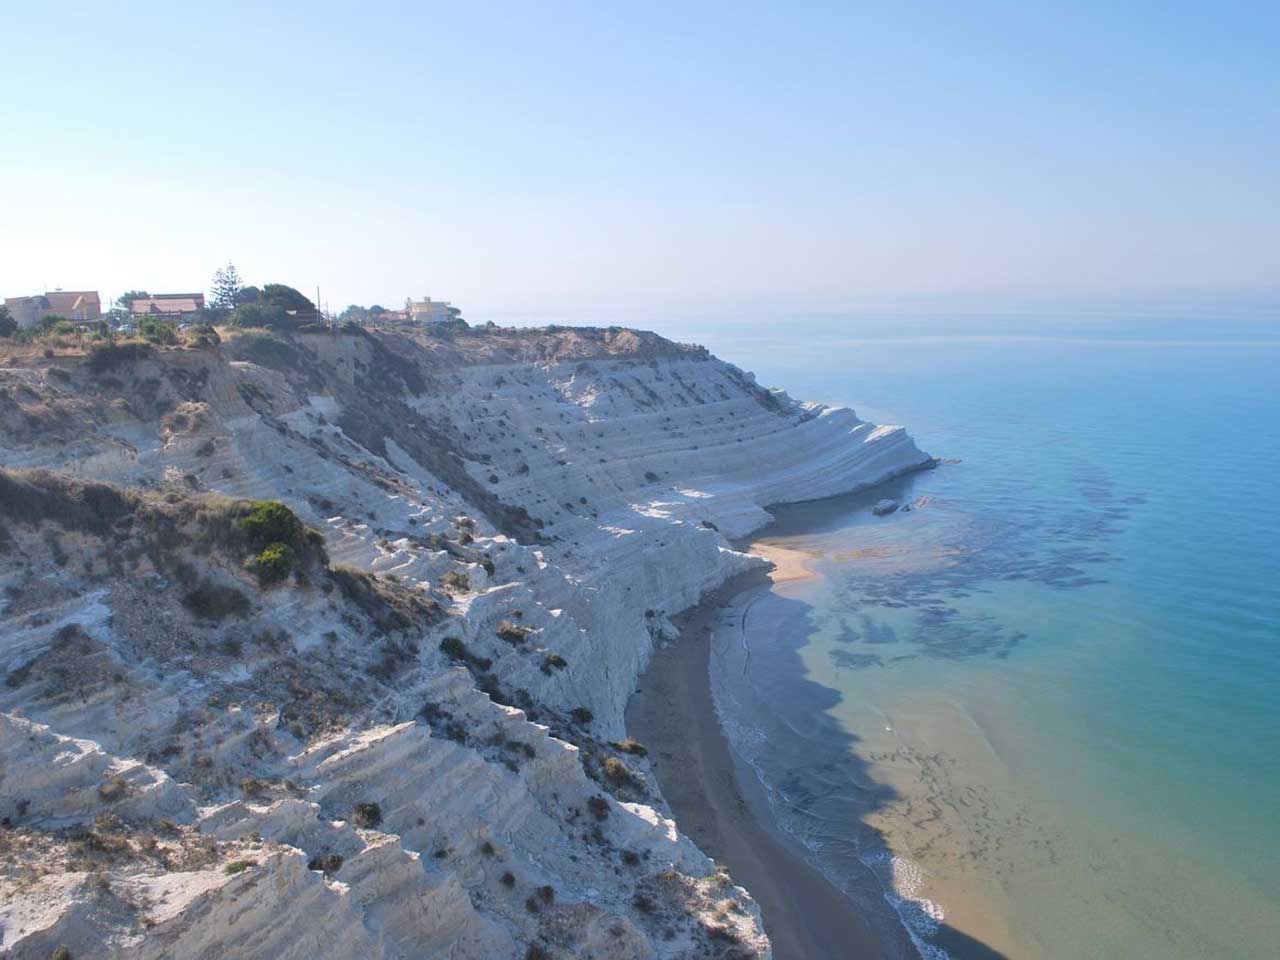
1042 707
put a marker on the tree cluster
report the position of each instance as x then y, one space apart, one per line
275 305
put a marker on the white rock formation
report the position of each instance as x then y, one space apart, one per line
178 787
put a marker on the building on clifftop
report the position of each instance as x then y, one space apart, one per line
168 306
427 310
81 306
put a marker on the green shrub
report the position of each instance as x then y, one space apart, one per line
238 866
274 563
259 315
582 715
155 330
270 522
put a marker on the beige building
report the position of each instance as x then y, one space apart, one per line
427 310
77 305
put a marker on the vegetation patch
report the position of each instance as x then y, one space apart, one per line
270 522
273 564
599 808
617 772
389 607
553 661
329 863
513 633
455 649
215 601
29 497
117 788
367 815
113 356
456 581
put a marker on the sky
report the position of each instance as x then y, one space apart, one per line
614 161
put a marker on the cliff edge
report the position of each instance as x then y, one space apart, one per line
318 644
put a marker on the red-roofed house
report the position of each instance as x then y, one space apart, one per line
168 306
77 305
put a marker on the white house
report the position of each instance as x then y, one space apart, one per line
427 310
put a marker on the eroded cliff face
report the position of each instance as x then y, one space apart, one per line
410 742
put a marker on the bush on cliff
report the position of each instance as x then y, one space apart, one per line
513 633
367 815
113 356
271 522
155 330
617 773
259 315
274 563
456 580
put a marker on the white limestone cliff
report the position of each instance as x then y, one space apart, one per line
184 787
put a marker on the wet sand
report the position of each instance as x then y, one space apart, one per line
789 564
805 916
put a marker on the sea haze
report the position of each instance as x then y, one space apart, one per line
1040 708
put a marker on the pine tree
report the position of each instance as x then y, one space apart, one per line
226 287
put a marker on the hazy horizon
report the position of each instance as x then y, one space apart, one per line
619 165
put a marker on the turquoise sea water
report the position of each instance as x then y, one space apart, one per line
1040 713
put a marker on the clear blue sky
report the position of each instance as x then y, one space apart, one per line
617 159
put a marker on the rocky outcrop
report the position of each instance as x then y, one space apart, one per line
409 744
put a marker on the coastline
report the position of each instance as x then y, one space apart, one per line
673 715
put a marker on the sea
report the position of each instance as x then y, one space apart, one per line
1038 713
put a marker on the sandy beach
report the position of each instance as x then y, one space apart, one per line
789 564
673 715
